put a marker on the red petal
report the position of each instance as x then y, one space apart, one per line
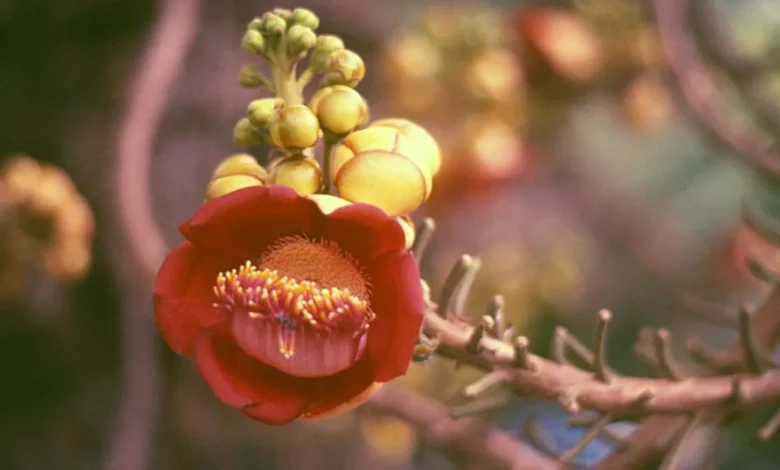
183 297
364 231
337 391
240 225
397 301
262 392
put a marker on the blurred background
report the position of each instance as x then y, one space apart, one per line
569 170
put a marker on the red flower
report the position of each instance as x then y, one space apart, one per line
290 312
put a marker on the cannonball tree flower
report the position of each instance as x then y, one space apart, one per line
292 307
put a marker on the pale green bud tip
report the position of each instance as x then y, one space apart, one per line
305 17
300 39
256 24
248 77
253 42
273 24
283 13
245 135
261 111
326 45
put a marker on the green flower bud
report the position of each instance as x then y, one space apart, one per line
340 109
256 24
344 67
253 42
249 77
294 127
305 17
283 13
261 111
300 39
273 25
245 135
326 45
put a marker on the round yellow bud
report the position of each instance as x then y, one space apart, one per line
408 227
328 203
299 172
240 164
246 135
294 127
344 67
388 180
305 17
424 143
340 109
389 139
261 111
218 187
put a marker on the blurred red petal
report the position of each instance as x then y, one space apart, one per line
260 391
398 303
364 231
240 225
341 392
183 295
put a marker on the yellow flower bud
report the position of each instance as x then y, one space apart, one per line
305 17
299 172
344 67
326 45
240 164
340 109
388 139
261 111
300 39
218 187
328 203
253 42
422 141
388 180
245 135
294 127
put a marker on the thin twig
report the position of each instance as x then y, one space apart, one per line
422 238
599 350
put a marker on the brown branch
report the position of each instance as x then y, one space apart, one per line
157 72
469 435
699 92
550 380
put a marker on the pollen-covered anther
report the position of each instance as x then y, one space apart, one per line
298 326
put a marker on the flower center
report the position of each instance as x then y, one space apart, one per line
303 309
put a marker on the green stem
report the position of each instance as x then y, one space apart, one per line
330 143
305 77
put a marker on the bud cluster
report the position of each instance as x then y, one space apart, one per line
389 163
455 67
44 222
